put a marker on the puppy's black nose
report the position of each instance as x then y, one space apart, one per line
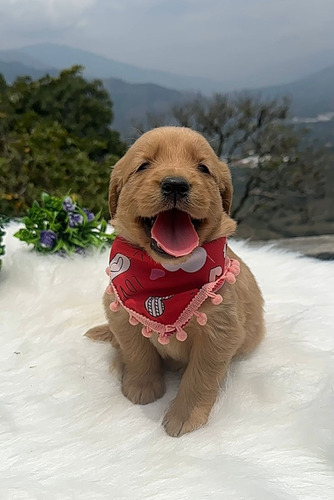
175 187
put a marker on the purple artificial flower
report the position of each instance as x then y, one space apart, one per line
68 204
74 219
47 239
90 215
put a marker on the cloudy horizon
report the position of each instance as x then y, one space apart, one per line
263 41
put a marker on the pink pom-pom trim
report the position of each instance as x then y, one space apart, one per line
230 278
201 318
217 299
181 335
163 340
133 321
146 332
234 267
114 306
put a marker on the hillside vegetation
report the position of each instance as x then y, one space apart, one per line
55 136
136 91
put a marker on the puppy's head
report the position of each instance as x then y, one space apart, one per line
170 193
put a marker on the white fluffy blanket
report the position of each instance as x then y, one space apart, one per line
67 432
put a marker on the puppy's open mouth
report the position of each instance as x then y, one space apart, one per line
173 233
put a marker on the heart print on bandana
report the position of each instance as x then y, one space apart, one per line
195 262
118 265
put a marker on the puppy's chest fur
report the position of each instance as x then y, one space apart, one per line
176 350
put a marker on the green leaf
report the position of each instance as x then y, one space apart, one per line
44 197
23 235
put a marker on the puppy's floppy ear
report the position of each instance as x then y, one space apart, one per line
115 187
225 186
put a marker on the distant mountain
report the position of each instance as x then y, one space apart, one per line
11 70
133 101
310 96
289 69
13 55
62 56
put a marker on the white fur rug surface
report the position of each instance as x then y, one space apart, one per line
67 432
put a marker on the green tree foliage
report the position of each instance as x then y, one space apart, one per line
229 122
55 136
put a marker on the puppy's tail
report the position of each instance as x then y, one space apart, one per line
102 333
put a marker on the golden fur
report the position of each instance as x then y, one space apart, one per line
234 327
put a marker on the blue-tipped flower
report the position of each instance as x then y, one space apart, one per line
90 215
48 239
74 219
68 204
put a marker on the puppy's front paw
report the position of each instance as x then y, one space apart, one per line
143 389
178 421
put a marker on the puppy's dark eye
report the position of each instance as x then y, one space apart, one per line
203 168
143 166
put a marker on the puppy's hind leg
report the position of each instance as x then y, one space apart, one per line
102 333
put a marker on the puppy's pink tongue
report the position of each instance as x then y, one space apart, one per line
175 233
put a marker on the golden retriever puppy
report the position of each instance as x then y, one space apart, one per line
176 297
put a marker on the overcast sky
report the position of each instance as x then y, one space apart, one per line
221 39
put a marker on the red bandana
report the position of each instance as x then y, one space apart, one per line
164 297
